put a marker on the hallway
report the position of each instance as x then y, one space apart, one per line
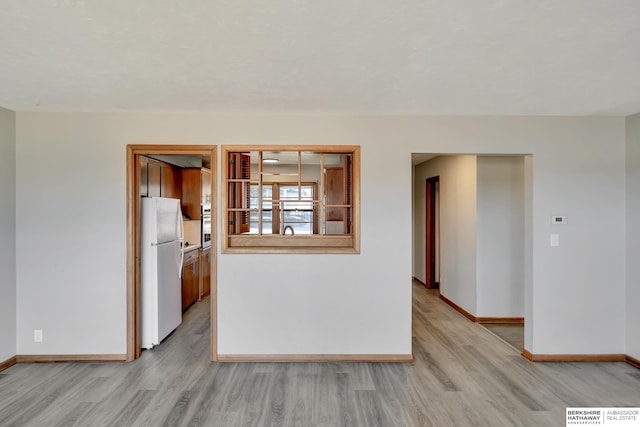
462 375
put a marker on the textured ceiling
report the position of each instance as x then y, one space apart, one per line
518 57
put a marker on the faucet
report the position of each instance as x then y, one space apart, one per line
288 227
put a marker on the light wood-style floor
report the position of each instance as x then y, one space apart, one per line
513 334
463 376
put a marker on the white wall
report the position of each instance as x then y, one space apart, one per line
71 252
7 234
633 236
458 181
500 236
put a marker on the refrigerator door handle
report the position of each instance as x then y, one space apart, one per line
181 239
163 243
181 261
181 224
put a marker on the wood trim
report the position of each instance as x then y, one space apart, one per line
290 250
224 201
313 148
579 358
527 355
574 358
320 358
418 280
292 242
481 320
133 254
459 309
133 244
71 358
8 363
355 195
146 149
500 320
632 361
213 286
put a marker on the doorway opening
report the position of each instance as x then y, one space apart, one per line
171 155
473 237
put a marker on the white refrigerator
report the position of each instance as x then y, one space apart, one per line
161 268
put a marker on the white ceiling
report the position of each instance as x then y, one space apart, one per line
517 57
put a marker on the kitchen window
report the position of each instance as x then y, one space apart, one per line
297 216
291 199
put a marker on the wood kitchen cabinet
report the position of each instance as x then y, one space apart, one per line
335 189
170 182
150 172
205 273
205 185
338 193
143 178
196 191
190 278
159 179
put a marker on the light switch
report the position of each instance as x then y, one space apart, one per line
555 240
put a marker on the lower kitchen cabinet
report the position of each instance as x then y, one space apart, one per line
196 276
205 275
190 279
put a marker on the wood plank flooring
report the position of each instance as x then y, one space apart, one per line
513 334
462 376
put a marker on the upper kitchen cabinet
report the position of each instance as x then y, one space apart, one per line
159 179
170 182
150 173
205 186
196 191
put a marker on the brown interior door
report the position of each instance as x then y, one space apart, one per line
430 250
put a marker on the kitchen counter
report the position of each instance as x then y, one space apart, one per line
190 248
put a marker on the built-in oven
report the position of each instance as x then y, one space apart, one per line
206 226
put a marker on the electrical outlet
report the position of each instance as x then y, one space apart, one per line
37 335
